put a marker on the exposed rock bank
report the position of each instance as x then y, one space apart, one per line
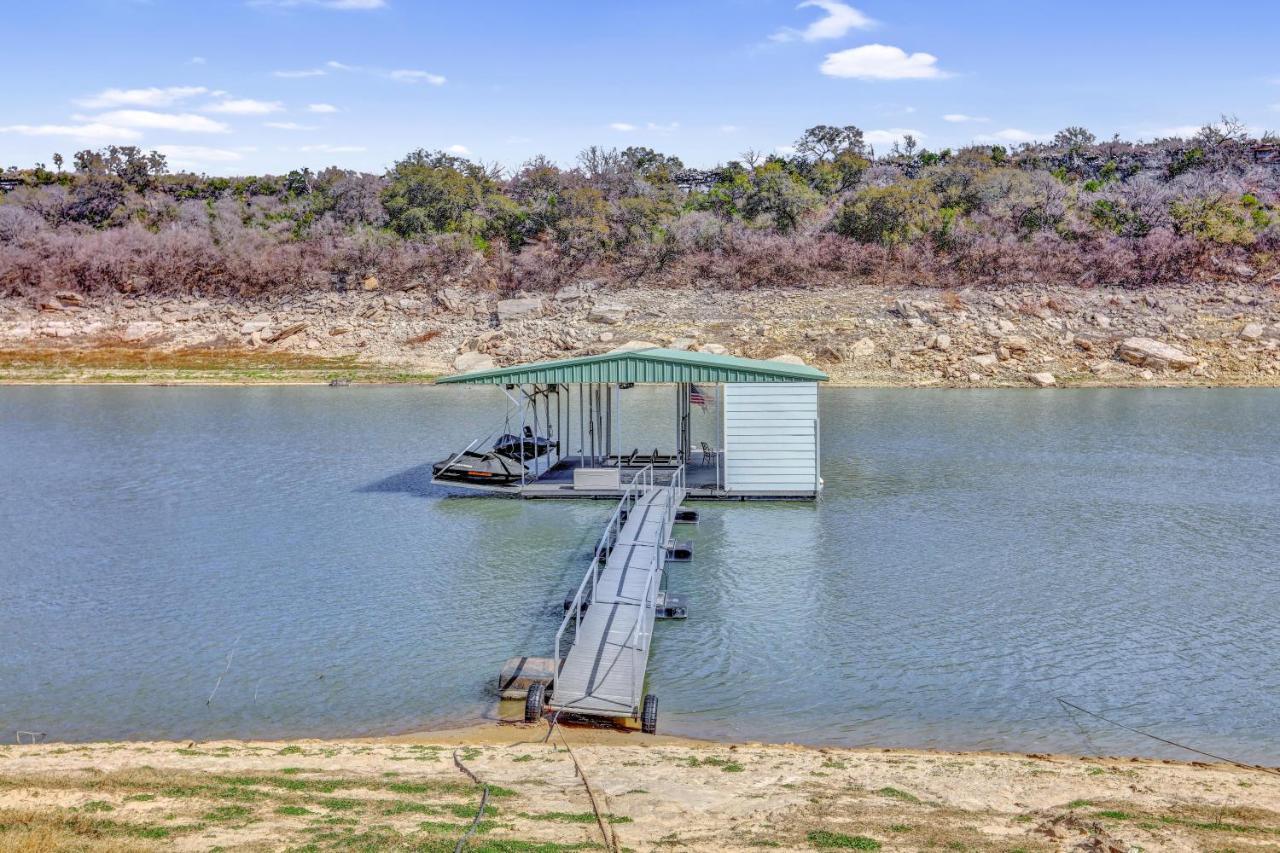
1032 337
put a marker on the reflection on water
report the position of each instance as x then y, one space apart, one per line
975 555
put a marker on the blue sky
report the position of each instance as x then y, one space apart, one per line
244 86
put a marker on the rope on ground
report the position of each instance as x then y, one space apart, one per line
606 830
1224 759
484 801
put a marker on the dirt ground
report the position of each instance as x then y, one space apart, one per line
585 789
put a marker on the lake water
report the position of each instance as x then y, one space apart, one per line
273 562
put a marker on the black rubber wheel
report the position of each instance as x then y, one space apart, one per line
533 702
649 714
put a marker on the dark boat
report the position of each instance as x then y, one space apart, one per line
533 446
473 467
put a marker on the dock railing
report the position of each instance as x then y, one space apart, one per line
640 483
641 632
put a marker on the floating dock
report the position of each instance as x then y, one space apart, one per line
758 437
613 611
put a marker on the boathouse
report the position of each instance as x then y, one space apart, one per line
758 432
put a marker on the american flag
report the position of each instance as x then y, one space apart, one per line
698 397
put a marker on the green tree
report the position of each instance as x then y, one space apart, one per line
779 194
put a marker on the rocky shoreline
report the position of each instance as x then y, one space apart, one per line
1195 335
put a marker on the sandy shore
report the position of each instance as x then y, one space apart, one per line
586 789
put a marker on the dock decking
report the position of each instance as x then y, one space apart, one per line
603 673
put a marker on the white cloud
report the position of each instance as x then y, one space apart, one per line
300 73
729 128
245 107
91 131
839 20
288 125
662 128
197 60
785 150
193 157
340 66
622 126
891 135
409 75
154 96
882 62
961 118
461 150
1009 134
147 119
332 149
321 108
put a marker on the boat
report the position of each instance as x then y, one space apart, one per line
478 467
530 447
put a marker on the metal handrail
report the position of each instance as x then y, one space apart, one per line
630 495
649 598
453 459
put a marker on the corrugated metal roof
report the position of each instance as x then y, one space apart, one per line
653 366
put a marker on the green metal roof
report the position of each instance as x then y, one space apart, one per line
654 365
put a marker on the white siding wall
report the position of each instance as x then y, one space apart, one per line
770 436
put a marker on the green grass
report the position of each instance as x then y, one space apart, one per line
139 798
523 758
725 764
575 817
1114 815
222 813
832 840
293 810
338 804
97 806
897 794
1078 804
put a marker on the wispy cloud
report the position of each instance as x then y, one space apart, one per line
784 150
1009 134
321 108
300 73
89 131
332 149
460 150
244 107
961 118
882 62
288 125
154 96
150 120
197 60
729 128
624 127
411 75
194 157
839 19
891 135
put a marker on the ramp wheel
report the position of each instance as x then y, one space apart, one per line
533 702
649 715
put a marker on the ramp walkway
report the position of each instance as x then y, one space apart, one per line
613 611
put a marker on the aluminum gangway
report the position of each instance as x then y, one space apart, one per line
613 611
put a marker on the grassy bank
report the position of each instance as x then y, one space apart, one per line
122 364
614 791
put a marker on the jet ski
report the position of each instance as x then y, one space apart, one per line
530 447
474 467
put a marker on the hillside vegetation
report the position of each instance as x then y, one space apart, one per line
1073 211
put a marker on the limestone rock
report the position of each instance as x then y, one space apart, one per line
370 283
1145 352
942 342
1015 343
862 348
678 343
140 331
452 299
610 315
792 358
986 359
631 346
513 309
714 349
1042 380
469 362
1251 332
257 324
286 332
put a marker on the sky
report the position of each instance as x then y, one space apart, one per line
264 86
